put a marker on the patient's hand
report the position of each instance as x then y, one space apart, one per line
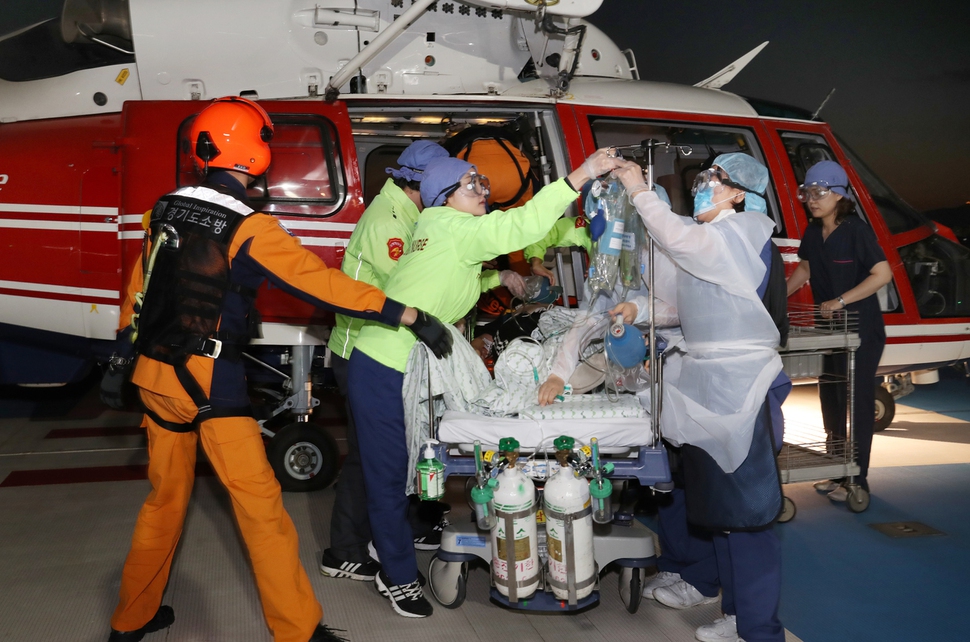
628 309
483 345
541 270
552 388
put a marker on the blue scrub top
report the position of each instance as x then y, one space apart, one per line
841 262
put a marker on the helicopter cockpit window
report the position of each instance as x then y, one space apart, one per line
938 268
804 150
898 214
304 177
681 151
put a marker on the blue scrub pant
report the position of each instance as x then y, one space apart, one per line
685 549
749 566
378 408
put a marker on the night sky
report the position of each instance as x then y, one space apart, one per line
901 71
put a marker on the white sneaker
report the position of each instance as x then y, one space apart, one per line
660 580
723 629
840 494
825 486
681 595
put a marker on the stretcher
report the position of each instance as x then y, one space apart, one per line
627 442
628 437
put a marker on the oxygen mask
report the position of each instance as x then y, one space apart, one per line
539 290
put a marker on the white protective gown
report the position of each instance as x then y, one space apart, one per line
731 340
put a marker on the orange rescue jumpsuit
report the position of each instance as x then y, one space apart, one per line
234 447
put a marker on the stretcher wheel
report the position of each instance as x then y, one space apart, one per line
858 499
448 581
304 457
631 591
885 409
788 511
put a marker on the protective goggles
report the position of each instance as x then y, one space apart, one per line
473 183
815 192
710 178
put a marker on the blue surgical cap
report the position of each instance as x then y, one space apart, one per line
828 174
745 171
415 158
439 175
748 173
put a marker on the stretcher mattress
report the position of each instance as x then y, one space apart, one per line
617 425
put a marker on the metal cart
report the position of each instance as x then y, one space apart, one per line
814 335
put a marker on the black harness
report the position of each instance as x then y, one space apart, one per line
187 282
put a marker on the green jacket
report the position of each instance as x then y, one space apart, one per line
442 270
378 241
567 232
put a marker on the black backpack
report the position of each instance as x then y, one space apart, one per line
775 297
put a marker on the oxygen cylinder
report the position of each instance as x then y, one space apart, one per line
515 559
569 529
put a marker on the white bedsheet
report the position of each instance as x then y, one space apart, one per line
614 433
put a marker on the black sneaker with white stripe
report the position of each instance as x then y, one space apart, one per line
431 540
331 566
407 599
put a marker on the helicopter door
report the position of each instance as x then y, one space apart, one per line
803 147
312 185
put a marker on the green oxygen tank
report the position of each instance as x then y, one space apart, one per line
431 474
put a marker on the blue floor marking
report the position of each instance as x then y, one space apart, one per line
948 397
845 581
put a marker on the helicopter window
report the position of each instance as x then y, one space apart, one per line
898 214
377 161
939 271
804 150
304 173
40 52
681 151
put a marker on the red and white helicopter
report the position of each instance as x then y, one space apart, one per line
94 107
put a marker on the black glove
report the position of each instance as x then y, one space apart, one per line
432 333
114 383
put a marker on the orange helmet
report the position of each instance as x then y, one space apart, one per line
232 133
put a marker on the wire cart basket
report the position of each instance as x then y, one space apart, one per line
814 335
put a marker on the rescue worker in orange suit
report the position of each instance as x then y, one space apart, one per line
207 255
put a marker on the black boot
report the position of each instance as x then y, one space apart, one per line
326 634
162 620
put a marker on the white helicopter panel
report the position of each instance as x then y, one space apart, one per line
568 8
197 49
644 95
87 91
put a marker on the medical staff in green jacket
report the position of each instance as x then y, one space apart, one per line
440 273
378 241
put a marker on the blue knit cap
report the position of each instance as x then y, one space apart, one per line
828 174
748 173
415 158
439 175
